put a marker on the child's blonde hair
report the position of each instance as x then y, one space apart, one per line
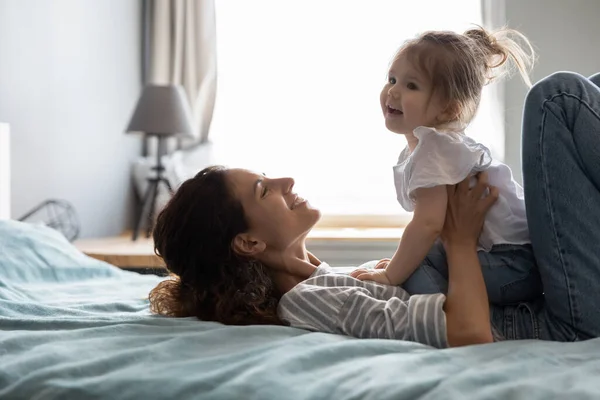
459 65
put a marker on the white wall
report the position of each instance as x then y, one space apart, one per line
69 78
4 171
565 34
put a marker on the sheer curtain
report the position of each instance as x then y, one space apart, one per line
299 86
180 49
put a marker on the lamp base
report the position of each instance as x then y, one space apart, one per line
151 194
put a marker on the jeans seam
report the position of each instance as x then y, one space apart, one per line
583 102
551 99
503 288
534 322
508 285
505 246
509 325
545 111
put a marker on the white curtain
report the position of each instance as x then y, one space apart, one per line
181 49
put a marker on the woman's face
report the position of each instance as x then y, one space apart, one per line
275 214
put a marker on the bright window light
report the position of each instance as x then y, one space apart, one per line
298 93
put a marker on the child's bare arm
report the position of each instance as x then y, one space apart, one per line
418 238
420 233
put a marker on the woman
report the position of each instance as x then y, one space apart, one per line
235 240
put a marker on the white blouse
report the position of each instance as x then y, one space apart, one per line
446 158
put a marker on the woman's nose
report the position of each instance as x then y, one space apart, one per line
286 184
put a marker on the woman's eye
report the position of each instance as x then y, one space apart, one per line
392 80
264 192
411 86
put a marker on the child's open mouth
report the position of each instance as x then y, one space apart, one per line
394 111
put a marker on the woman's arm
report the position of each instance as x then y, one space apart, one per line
466 306
417 239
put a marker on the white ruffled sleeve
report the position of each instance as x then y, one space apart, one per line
444 159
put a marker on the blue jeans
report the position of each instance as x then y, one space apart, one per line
509 271
561 174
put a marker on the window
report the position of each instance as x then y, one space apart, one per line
298 94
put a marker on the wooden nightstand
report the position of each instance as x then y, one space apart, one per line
122 252
329 243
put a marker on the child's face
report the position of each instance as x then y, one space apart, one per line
407 99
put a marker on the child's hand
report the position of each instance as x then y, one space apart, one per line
383 263
379 275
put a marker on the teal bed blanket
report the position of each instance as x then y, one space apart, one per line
72 327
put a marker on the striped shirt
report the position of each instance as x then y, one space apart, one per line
337 303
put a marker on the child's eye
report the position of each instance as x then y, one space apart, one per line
411 86
392 80
264 192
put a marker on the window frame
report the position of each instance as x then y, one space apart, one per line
364 221
332 220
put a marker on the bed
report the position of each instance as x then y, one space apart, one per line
72 327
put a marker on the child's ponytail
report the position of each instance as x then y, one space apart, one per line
501 46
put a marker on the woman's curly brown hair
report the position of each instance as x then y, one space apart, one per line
193 235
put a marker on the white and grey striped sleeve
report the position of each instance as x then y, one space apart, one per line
354 311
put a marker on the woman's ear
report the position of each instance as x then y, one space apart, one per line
245 244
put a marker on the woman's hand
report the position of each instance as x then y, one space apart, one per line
466 211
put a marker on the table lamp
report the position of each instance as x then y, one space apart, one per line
161 111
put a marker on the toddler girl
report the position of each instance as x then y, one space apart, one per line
432 93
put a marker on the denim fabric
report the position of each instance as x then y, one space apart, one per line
561 174
509 272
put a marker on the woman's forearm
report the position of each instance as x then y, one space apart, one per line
416 242
467 308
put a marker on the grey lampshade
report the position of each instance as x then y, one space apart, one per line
163 110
